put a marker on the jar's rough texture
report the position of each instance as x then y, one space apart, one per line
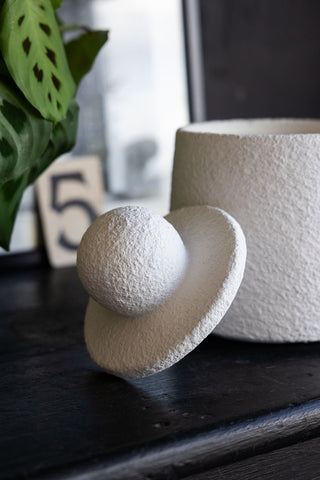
266 174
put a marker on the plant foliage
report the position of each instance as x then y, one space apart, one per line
35 56
38 78
89 45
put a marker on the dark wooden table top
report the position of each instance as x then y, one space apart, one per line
229 410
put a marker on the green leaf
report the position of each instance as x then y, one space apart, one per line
61 140
24 135
10 196
56 3
82 51
4 72
32 48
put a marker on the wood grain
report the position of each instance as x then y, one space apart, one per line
298 462
62 417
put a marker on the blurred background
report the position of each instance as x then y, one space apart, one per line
171 62
136 96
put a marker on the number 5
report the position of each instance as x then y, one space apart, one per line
59 207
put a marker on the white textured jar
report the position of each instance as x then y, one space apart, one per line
266 174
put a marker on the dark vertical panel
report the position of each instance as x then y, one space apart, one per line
195 70
261 57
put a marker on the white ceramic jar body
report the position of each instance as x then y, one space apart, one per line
266 174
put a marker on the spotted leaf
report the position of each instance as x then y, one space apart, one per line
32 48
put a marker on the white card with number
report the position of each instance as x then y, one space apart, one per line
70 197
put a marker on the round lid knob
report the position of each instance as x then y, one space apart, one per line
131 260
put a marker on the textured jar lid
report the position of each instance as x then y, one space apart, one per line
141 345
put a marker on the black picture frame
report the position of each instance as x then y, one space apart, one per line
253 58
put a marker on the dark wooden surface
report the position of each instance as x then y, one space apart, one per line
229 410
296 462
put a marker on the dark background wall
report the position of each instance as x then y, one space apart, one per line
261 58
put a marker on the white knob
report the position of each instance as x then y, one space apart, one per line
130 260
